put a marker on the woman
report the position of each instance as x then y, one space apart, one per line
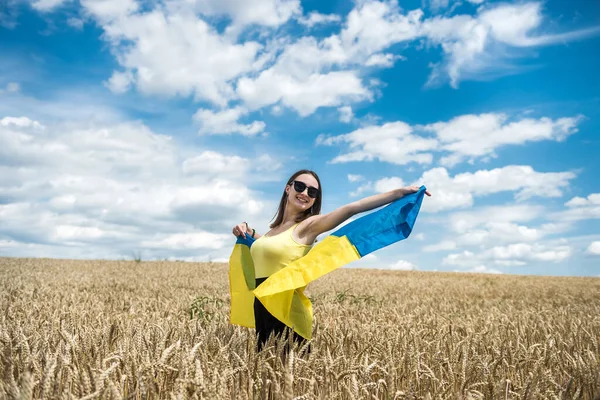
297 224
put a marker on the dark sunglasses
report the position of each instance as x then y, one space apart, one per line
299 187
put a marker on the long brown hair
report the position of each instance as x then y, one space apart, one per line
314 210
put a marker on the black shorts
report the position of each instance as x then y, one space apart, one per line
267 324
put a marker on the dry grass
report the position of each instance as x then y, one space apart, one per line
105 329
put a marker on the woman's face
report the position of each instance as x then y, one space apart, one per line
301 200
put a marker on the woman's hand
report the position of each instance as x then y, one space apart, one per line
241 230
414 189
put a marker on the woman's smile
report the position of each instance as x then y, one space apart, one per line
302 200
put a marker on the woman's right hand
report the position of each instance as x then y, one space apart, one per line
240 230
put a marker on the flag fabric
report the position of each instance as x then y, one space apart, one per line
282 293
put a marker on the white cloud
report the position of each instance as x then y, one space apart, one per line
493 225
189 241
437 5
441 246
107 11
393 142
76 23
459 191
158 50
579 208
374 26
475 136
465 137
103 188
402 265
355 178
346 114
465 221
120 82
266 163
387 184
213 164
592 200
364 188
382 60
594 249
316 18
481 269
479 46
47 5
226 122
270 13
517 253
304 94
312 73
21 122
160 53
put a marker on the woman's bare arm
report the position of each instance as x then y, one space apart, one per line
322 223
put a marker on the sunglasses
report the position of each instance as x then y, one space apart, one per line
299 187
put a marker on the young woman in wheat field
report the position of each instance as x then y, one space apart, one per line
296 225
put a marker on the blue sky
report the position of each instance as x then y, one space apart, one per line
152 127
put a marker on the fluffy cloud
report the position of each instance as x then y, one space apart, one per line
109 11
160 54
226 121
514 254
594 249
580 208
47 5
316 18
480 269
387 184
464 137
104 188
362 189
459 191
382 60
476 46
402 265
346 114
394 142
189 241
158 50
305 94
592 200
355 178
270 13
475 136
211 163
494 225
380 186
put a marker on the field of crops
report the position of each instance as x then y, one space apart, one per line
126 329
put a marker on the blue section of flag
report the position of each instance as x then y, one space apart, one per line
248 240
384 227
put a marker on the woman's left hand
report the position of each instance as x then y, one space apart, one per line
414 189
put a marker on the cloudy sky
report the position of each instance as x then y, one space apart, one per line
150 128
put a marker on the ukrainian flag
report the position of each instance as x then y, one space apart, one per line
282 293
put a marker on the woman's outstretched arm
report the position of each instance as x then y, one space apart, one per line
322 223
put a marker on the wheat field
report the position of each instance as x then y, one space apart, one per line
148 330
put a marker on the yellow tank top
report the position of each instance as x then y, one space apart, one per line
272 253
